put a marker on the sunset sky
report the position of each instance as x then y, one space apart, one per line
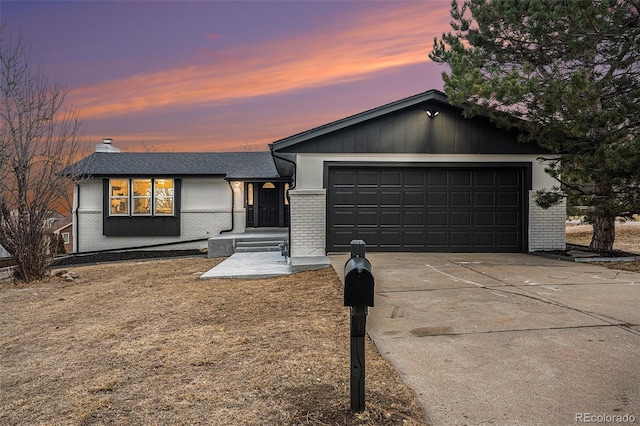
227 75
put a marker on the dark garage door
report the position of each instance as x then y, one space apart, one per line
447 209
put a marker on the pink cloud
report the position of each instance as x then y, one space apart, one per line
353 49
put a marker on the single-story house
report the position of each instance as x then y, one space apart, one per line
412 175
128 200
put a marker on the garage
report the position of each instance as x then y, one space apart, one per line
418 174
446 208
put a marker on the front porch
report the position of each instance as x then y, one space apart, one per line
257 253
252 240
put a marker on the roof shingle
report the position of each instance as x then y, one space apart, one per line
231 165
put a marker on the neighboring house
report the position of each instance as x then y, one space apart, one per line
173 200
415 175
412 175
4 253
64 228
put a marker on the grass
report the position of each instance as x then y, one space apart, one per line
149 343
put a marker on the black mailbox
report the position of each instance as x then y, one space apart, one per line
358 282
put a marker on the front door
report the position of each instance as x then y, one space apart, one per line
268 198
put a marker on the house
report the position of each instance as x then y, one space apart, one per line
172 200
412 175
63 227
415 175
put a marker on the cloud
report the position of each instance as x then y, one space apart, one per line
351 49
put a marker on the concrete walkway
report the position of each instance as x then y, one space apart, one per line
259 265
509 339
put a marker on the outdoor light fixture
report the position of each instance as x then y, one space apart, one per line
432 114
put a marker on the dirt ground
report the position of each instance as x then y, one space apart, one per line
147 342
627 239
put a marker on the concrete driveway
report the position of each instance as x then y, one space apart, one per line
509 339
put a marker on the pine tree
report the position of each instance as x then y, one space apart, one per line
568 74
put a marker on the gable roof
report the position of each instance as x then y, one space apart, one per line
430 95
230 165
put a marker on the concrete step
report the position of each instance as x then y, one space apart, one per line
256 249
257 245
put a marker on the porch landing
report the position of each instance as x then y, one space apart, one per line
265 263
228 243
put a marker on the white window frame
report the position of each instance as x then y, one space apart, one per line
157 197
153 198
120 197
148 196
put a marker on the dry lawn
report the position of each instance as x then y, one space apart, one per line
627 239
150 343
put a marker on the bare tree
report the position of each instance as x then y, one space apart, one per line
38 140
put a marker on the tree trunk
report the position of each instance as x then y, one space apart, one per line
604 233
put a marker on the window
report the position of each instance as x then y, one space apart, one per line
250 194
286 192
65 237
141 196
163 190
119 194
146 196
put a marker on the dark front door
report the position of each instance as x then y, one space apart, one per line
268 204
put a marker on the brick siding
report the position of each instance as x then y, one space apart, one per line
546 227
308 222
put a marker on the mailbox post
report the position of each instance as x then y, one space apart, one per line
358 295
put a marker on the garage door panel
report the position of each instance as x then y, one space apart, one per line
344 198
367 218
367 178
460 199
461 239
460 209
413 218
460 219
437 218
390 239
484 219
508 180
508 199
344 217
484 239
390 199
391 218
437 178
485 199
414 239
511 219
437 199
437 239
391 179
414 199
460 178
366 198
415 179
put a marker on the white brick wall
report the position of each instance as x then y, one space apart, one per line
546 227
193 225
308 222
205 211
